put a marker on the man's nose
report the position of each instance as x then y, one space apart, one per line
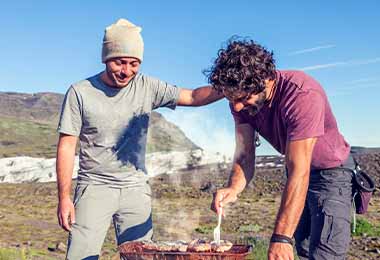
238 106
127 69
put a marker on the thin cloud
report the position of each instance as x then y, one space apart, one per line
362 80
341 63
312 49
365 62
322 66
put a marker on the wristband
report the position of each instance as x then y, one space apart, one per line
277 238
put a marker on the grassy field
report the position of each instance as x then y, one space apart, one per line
20 137
29 226
30 230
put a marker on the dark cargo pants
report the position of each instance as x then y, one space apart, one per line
324 230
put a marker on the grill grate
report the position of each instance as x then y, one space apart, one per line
135 251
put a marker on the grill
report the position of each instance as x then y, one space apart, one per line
134 251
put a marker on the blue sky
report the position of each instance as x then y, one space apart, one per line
47 45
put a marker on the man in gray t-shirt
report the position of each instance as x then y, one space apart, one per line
109 114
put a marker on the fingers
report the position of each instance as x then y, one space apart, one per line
66 216
65 221
280 251
215 206
59 219
221 198
227 197
218 198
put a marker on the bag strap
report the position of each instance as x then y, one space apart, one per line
357 166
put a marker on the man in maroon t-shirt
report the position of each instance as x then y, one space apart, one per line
291 111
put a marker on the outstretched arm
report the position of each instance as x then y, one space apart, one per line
198 97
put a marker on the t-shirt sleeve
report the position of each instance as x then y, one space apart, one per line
305 116
163 94
70 121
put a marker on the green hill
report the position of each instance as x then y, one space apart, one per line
28 127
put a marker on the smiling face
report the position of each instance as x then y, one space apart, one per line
119 71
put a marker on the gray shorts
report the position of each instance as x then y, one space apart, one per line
324 230
95 207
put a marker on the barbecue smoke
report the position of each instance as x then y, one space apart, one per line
213 132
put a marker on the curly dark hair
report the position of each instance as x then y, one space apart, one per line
241 67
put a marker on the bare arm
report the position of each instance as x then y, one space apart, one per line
242 169
244 158
64 167
198 97
65 164
298 161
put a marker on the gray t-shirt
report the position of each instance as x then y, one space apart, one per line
112 126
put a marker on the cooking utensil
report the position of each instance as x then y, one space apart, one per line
217 228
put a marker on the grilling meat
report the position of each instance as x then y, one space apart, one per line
197 245
222 247
177 246
149 246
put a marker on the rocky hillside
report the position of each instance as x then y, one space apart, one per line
39 107
28 123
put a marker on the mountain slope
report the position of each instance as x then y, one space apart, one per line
40 107
28 127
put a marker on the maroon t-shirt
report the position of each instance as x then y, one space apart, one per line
299 110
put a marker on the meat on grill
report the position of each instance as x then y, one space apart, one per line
200 245
177 246
197 245
223 246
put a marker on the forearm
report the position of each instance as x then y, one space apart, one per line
242 174
198 97
243 166
64 168
292 203
205 95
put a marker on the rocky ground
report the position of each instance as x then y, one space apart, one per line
180 209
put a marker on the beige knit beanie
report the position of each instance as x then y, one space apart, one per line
122 39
